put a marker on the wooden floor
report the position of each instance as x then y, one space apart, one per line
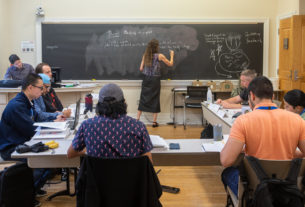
199 186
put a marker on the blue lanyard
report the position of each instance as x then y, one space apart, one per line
302 112
267 107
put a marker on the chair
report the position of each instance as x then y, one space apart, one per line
128 182
273 168
195 95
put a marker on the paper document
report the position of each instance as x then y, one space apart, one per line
51 135
215 146
54 125
158 141
44 129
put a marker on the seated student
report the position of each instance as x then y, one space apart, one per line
16 126
246 77
294 101
50 99
17 70
40 107
111 134
266 133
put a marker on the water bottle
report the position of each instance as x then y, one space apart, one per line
209 96
217 132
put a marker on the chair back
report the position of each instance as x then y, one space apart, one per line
128 182
197 92
273 168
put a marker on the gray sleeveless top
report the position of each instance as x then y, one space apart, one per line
154 70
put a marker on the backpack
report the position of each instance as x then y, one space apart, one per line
17 186
207 132
274 192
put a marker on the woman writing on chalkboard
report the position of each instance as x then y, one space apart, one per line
150 67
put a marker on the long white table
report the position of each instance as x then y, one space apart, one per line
190 153
214 118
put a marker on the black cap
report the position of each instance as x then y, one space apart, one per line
13 58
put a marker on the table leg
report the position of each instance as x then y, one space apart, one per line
67 190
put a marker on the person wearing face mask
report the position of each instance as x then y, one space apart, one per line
17 70
51 100
265 133
294 101
40 107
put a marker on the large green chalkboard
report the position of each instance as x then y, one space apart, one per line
114 51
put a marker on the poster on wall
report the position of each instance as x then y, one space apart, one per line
27 46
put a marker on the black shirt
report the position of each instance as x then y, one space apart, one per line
244 94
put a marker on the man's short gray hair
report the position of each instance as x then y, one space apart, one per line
249 73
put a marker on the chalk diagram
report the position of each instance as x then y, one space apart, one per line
234 60
120 50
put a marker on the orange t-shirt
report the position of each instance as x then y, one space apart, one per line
269 134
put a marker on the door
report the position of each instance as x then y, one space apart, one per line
292 53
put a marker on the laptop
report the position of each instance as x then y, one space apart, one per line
73 123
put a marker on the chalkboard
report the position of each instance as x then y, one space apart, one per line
114 51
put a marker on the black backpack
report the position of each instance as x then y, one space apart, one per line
17 186
207 132
274 192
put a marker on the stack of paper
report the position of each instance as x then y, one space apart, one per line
158 142
51 130
215 146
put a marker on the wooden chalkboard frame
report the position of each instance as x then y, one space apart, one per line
265 21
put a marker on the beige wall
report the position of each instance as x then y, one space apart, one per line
21 24
301 7
4 36
286 7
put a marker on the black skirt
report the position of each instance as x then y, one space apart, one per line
150 94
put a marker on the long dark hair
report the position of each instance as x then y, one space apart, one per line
295 98
111 108
151 49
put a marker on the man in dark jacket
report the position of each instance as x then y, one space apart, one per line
16 126
17 69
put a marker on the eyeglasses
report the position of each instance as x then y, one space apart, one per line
40 87
47 87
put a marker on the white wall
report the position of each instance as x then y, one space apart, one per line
19 17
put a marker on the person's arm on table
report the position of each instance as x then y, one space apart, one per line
230 152
73 153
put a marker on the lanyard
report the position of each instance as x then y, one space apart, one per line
267 107
302 112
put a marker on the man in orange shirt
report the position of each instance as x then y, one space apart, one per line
266 133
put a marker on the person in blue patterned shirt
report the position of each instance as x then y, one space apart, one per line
111 134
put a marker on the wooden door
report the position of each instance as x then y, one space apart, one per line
292 53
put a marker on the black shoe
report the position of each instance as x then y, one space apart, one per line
155 124
37 203
41 193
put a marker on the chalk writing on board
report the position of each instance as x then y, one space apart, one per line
226 52
114 50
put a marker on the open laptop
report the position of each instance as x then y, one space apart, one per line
73 123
